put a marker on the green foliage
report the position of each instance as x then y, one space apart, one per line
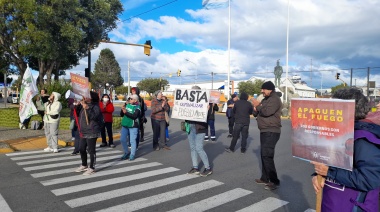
107 70
151 85
250 87
122 89
333 89
60 87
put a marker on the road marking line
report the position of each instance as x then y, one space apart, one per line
99 166
4 205
267 205
65 158
111 181
35 152
214 201
164 197
47 154
127 190
99 174
76 162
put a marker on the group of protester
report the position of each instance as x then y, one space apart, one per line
356 190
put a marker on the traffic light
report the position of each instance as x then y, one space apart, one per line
147 47
87 73
178 73
337 76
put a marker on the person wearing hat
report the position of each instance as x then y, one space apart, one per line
230 115
268 113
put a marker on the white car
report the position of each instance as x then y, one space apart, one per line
14 98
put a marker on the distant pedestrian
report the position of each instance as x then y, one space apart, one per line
230 115
90 121
159 107
40 103
107 108
140 136
211 121
130 126
51 119
242 111
196 140
268 113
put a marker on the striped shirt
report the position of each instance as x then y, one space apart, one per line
158 112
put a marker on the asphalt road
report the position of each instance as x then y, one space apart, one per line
157 180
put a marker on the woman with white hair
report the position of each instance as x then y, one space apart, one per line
130 126
159 108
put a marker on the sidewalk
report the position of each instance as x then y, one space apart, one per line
14 139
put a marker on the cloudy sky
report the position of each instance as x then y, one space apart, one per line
327 37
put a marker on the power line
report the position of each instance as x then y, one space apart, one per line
149 11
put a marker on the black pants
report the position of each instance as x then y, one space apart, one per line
41 113
159 133
231 122
88 144
243 129
108 126
268 141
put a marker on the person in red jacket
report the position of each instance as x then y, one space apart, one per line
106 107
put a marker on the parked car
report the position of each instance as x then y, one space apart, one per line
13 98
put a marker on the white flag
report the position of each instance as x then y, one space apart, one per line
27 92
214 4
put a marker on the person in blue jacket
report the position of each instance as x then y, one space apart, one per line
356 190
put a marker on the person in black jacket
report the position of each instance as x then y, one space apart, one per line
242 111
230 115
89 130
211 121
140 136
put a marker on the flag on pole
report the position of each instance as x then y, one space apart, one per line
27 92
214 4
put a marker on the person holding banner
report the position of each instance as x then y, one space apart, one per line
107 108
196 139
90 121
51 119
159 108
356 190
268 113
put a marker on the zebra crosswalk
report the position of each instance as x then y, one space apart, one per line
140 184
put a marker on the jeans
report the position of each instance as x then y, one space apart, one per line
51 132
166 132
243 129
196 147
159 133
108 126
132 134
211 124
268 141
88 144
231 122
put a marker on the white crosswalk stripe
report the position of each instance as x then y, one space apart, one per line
117 178
4 205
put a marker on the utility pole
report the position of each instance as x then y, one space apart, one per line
368 82
212 80
129 81
311 73
5 90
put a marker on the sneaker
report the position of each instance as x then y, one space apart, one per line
206 172
73 138
157 149
243 151
81 169
131 158
228 150
229 136
103 145
74 153
206 138
194 171
261 182
89 172
166 147
55 150
125 156
48 149
112 146
213 139
271 186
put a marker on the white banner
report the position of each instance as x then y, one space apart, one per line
191 104
27 92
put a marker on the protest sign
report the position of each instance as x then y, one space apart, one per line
191 104
323 131
215 96
28 91
80 85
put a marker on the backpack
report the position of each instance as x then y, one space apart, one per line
35 125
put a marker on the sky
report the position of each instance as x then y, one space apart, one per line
325 38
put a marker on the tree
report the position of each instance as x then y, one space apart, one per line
107 70
122 89
56 33
250 87
151 85
333 89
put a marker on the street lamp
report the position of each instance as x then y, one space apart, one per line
196 70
